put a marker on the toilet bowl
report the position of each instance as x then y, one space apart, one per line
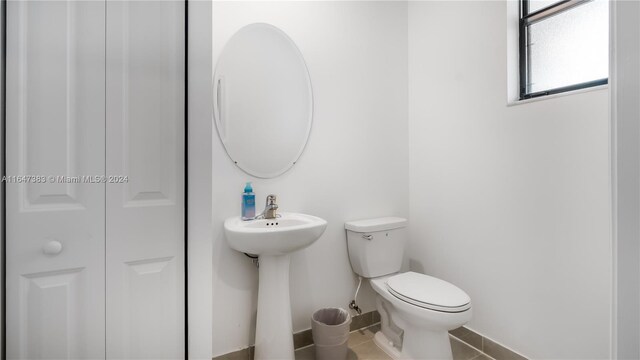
416 310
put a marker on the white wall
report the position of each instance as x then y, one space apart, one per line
355 165
509 203
625 139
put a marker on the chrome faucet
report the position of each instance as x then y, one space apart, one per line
270 208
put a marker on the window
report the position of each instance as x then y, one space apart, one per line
564 45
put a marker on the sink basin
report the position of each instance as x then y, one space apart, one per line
285 234
274 240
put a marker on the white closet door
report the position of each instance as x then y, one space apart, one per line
55 127
145 216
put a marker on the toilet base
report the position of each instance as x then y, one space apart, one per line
426 345
386 345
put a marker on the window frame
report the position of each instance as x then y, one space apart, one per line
525 20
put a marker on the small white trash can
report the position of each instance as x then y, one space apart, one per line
330 330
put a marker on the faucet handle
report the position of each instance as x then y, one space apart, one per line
271 208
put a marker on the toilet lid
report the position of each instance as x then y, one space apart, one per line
428 292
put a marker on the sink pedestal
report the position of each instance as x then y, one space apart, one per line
274 332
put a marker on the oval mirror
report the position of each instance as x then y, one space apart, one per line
262 100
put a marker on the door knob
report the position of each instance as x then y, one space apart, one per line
52 247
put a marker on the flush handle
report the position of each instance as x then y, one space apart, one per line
367 237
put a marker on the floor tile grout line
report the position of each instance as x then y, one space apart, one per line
481 353
365 327
304 347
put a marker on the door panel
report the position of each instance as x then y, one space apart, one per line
145 216
150 285
55 128
50 300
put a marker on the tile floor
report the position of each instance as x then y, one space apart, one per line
362 347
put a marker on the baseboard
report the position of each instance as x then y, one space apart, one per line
304 338
469 337
485 345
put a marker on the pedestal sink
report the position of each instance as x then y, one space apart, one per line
273 240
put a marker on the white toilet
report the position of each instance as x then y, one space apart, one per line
416 310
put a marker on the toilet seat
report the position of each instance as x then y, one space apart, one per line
428 292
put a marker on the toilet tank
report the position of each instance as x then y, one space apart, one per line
376 246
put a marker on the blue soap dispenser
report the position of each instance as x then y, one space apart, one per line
248 203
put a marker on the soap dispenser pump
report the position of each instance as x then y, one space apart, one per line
248 203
